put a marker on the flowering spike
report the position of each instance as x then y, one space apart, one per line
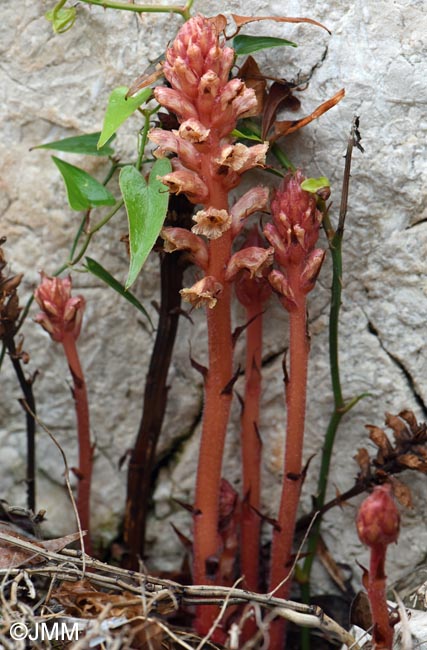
61 313
296 218
181 239
211 223
203 293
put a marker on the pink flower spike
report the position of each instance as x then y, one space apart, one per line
211 223
253 258
186 182
203 293
254 200
180 239
61 313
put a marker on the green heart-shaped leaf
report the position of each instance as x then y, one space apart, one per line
313 185
146 206
84 144
83 190
119 109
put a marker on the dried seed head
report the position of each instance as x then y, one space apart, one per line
61 313
378 519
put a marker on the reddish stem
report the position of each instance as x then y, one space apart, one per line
281 554
383 631
251 450
83 432
216 410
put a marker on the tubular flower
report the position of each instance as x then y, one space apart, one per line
61 313
252 201
203 293
211 222
253 259
180 239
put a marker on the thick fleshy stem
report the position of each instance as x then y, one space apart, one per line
84 470
215 419
251 450
296 383
293 234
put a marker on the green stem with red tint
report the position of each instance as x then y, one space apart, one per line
83 431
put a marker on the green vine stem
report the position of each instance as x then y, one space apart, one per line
335 238
127 6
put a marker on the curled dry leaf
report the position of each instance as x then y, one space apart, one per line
253 78
244 20
286 127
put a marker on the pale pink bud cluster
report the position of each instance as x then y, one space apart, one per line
61 313
378 519
208 106
293 235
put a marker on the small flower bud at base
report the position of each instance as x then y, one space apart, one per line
378 519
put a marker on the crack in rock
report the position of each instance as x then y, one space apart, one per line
404 370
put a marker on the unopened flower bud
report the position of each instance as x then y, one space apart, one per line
378 519
311 270
61 313
203 293
281 286
211 223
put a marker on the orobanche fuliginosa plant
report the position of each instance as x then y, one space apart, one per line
210 123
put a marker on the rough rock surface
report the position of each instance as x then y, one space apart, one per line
57 86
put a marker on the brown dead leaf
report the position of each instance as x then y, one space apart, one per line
12 555
244 20
360 611
145 80
278 97
409 418
286 127
220 22
253 78
402 492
